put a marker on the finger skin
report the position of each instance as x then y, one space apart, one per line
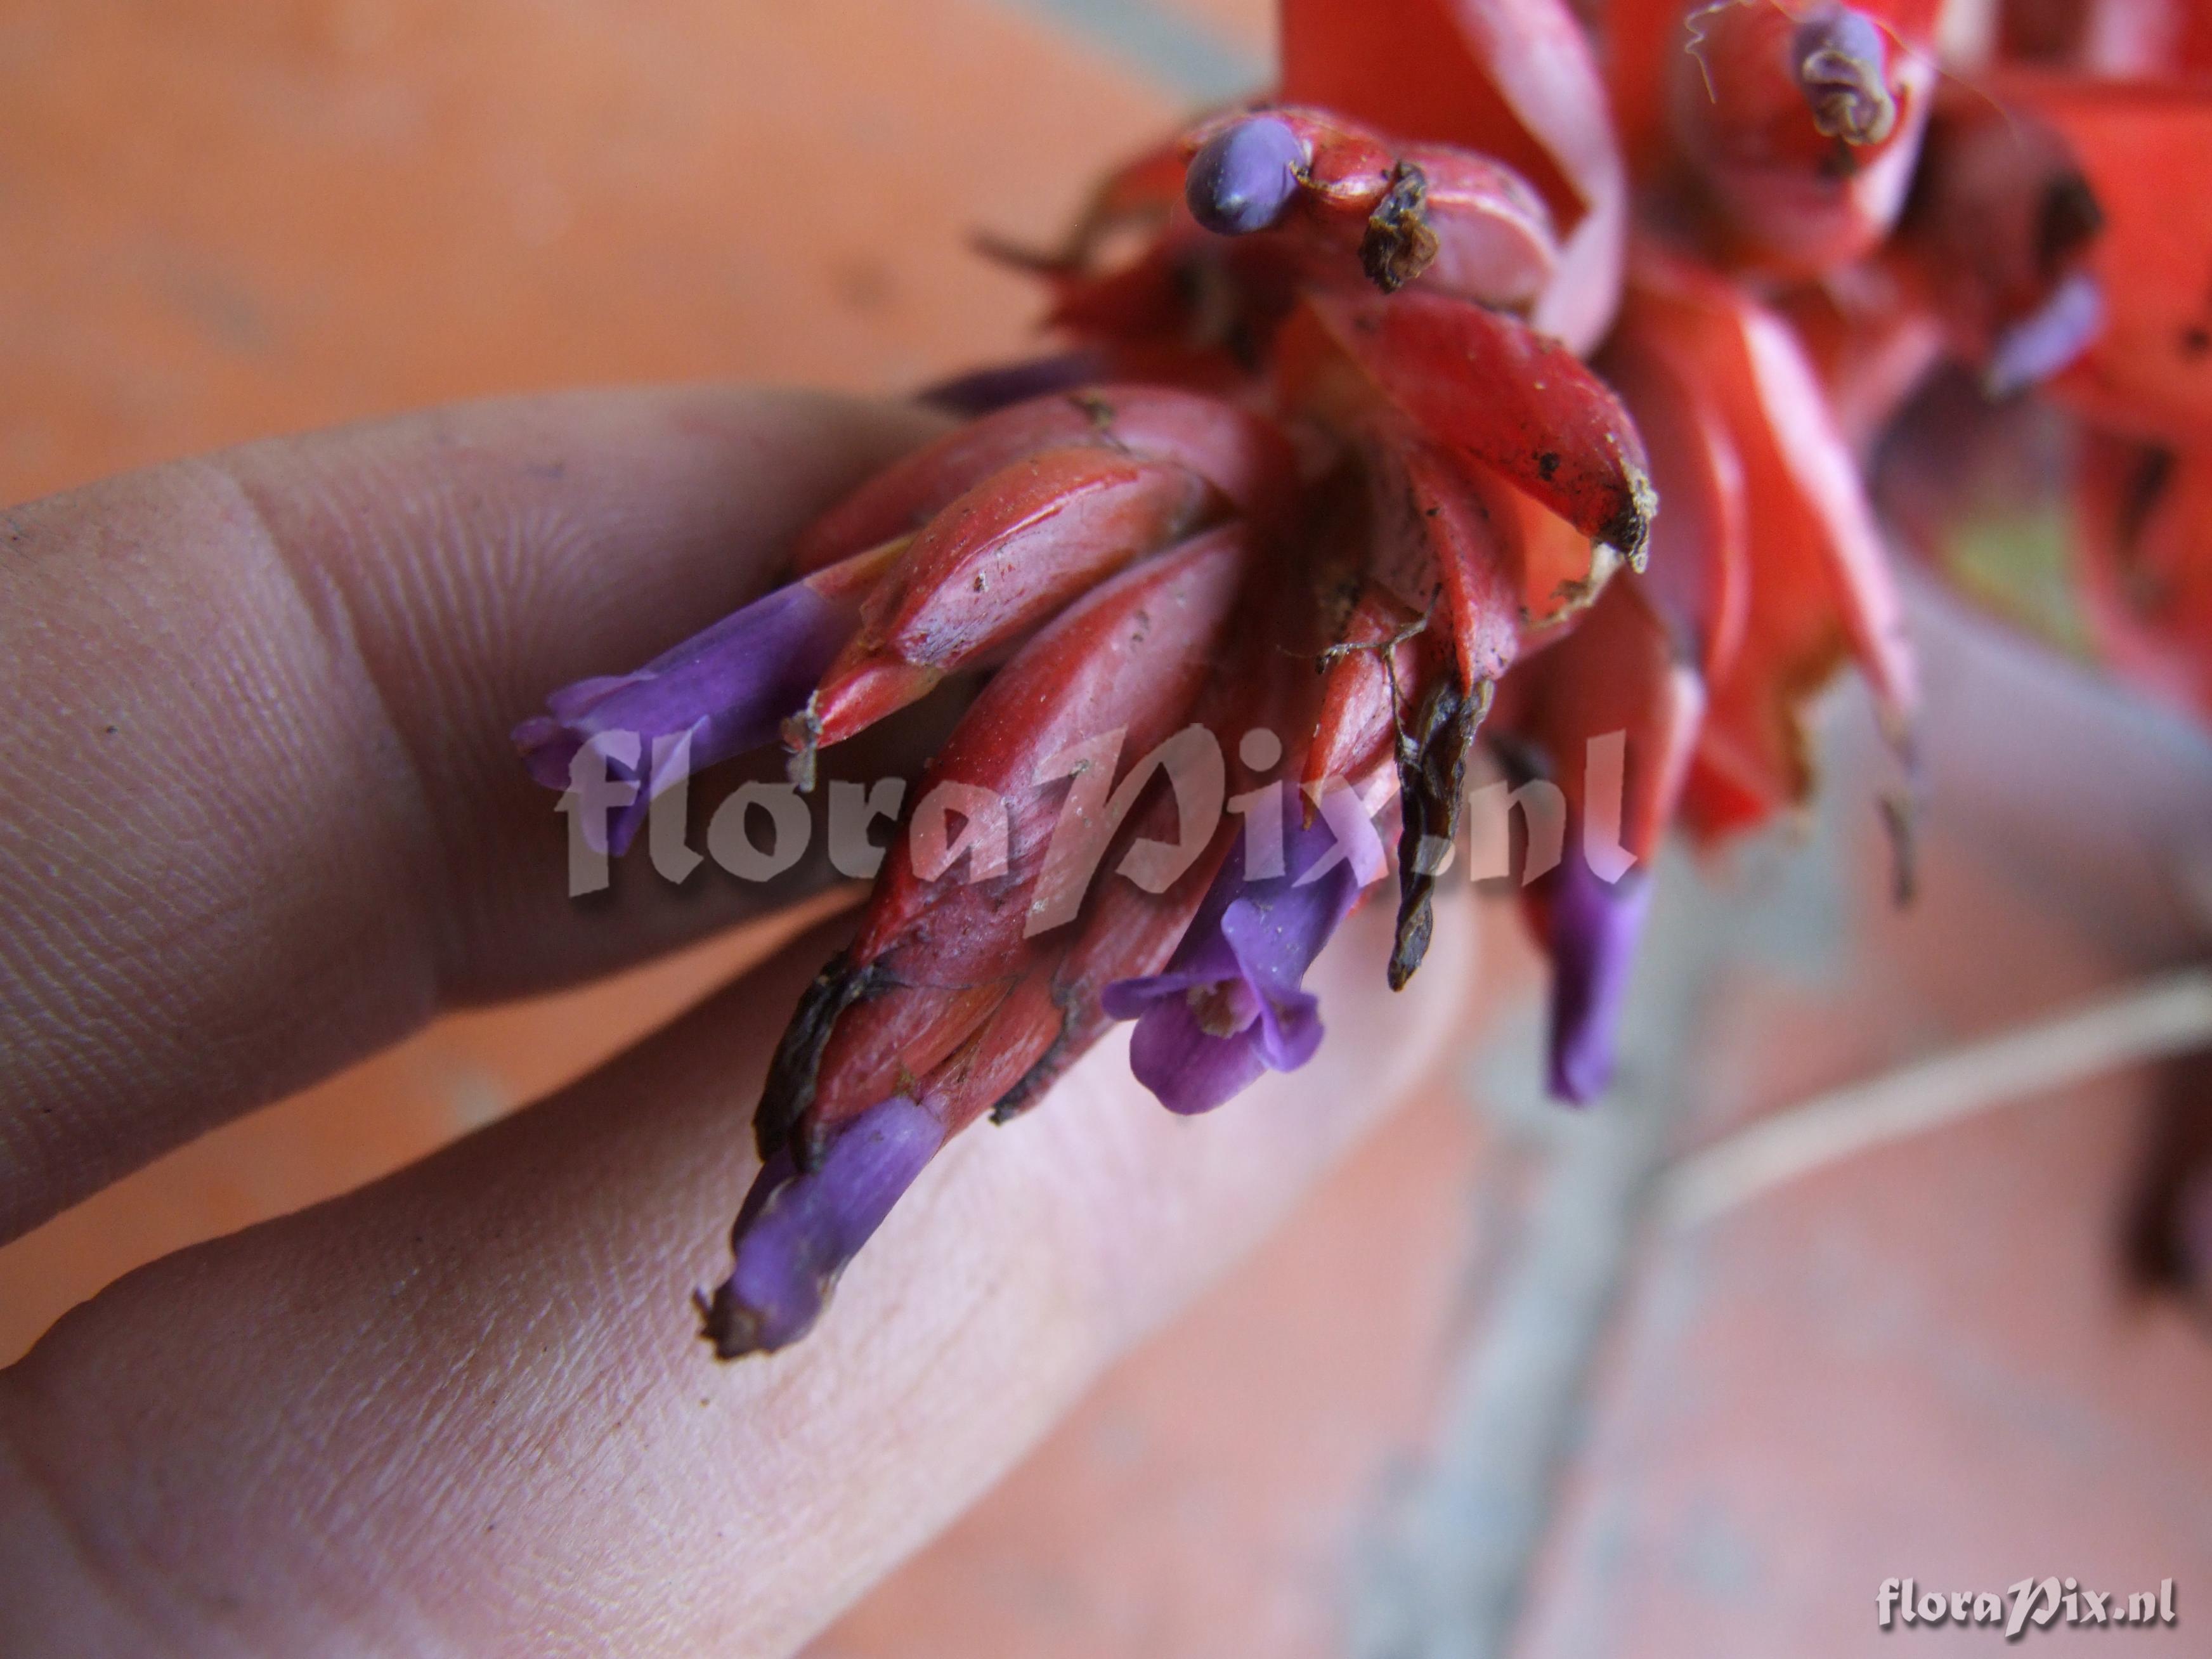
465 1410
262 815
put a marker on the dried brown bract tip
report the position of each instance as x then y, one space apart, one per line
1433 774
1398 246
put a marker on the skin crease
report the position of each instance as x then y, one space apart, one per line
463 1410
319 645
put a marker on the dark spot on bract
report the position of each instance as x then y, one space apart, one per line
1840 164
1398 245
1627 531
2068 219
1901 821
1043 1073
2145 489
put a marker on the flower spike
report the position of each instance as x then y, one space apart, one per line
940 949
1374 437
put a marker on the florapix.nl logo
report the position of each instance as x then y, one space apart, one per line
2032 1604
1062 833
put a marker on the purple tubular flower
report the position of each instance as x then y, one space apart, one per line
796 1232
986 390
1244 176
1231 1003
1594 928
729 688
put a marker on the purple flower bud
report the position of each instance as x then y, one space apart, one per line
1229 1004
1244 177
730 688
796 1232
1595 928
2048 339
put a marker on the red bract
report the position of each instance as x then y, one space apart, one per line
2127 38
1511 79
2143 525
1326 494
2149 370
1817 583
941 946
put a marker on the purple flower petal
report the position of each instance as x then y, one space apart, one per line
1275 942
796 1232
2048 340
1229 1004
1244 176
731 688
549 750
1190 1070
1594 928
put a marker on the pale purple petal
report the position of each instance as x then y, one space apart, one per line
1595 929
1275 943
1244 176
573 701
731 688
1189 1071
796 1232
2047 342
1230 1005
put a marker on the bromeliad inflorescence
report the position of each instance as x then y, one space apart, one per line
1374 392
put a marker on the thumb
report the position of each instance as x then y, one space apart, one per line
464 1408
